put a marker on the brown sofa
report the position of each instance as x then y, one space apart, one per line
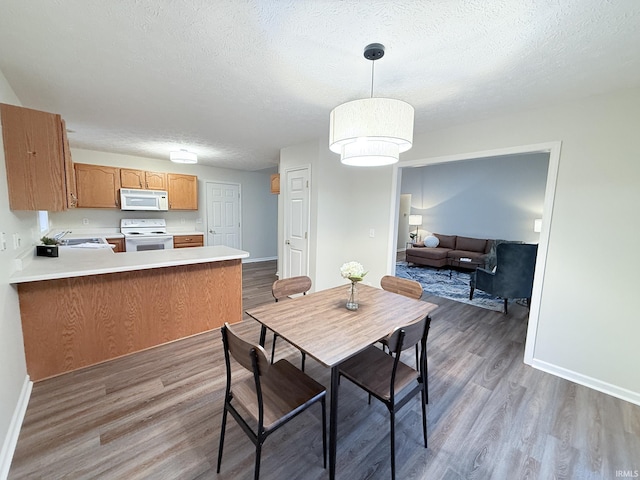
450 250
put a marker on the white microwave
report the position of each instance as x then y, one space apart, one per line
143 199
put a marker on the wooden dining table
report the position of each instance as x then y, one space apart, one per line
320 325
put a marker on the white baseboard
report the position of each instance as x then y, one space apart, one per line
11 440
594 383
254 260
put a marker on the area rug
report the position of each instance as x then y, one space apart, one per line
451 284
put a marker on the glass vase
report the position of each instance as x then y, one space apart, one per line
352 300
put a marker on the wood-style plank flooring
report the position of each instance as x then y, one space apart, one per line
156 414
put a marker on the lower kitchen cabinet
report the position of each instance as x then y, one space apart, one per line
182 241
118 244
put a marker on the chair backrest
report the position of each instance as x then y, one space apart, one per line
285 287
402 286
245 353
516 264
402 338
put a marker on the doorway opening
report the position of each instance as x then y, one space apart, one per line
553 150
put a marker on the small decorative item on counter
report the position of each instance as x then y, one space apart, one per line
49 248
354 271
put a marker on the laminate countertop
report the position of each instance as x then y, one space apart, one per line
79 262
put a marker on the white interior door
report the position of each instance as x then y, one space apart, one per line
296 222
223 214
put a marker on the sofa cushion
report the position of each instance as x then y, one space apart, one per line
432 253
471 244
431 241
456 255
446 241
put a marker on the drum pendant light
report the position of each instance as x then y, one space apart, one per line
371 131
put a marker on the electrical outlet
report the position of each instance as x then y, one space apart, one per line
85 221
17 241
372 232
3 241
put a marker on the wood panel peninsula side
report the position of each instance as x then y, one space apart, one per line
86 307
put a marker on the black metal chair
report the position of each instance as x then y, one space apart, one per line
272 396
388 379
282 290
408 288
513 276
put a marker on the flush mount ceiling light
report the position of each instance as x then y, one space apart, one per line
183 156
372 131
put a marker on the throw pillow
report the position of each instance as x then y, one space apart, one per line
446 241
431 241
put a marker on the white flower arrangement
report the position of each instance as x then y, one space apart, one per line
354 271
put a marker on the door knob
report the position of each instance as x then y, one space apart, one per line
212 232
288 242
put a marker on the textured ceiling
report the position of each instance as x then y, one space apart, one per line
236 80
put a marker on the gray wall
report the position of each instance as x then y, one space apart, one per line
14 383
497 197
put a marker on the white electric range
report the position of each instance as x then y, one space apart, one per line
145 234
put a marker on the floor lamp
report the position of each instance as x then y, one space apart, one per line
415 220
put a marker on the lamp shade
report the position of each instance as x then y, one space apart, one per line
415 220
183 156
371 131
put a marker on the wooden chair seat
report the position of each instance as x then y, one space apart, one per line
372 369
285 392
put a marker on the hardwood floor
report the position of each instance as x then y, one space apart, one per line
156 414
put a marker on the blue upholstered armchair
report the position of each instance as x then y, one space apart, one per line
513 277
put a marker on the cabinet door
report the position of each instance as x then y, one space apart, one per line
34 159
69 173
275 183
118 243
97 186
132 178
155 181
183 191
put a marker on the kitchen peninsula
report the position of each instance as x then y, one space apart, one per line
92 305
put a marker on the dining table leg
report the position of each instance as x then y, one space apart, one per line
333 423
263 335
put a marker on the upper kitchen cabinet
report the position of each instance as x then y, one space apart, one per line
183 191
98 186
38 160
130 178
155 180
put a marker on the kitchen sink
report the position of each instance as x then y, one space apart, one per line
67 242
